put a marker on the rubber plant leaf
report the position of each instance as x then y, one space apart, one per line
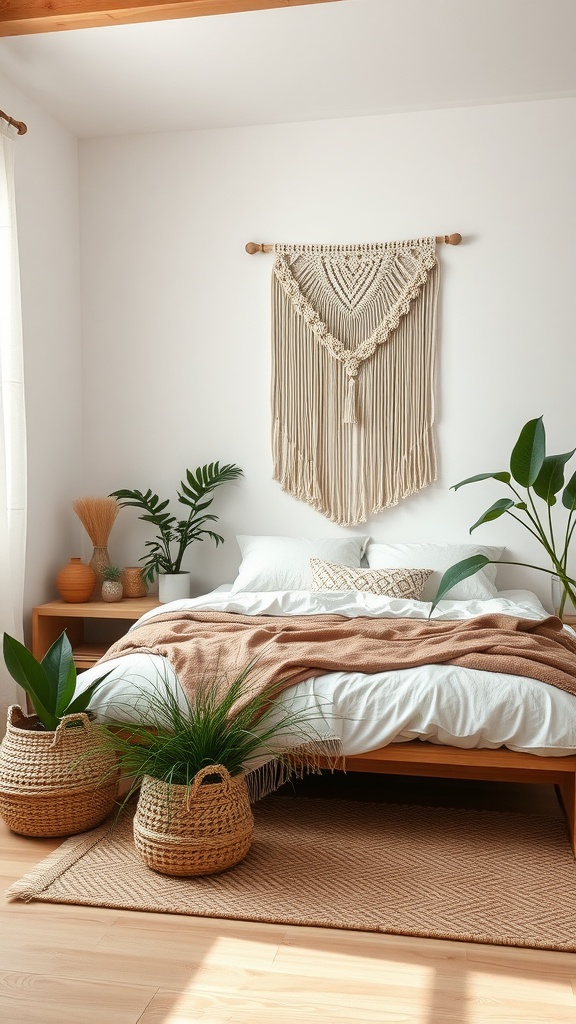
503 477
458 572
31 676
529 452
550 479
494 512
58 664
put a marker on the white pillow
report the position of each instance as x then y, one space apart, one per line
283 563
405 584
439 557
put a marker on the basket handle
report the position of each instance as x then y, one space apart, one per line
211 769
79 716
15 715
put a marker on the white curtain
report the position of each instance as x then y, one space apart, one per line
12 421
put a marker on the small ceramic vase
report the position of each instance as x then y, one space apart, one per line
76 581
112 590
132 582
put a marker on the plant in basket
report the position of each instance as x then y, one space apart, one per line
52 763
193 815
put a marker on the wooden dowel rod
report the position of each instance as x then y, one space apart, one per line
252 247
22 129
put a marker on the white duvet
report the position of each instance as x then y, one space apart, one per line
441 703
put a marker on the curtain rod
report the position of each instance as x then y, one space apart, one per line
22 128
252 247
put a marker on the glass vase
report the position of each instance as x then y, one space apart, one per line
556 591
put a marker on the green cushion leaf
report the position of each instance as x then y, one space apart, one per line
529 453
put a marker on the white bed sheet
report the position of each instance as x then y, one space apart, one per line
440 703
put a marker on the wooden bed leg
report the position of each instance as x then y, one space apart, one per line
566 792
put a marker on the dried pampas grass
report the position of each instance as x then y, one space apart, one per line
97 516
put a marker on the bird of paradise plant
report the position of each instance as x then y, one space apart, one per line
533 475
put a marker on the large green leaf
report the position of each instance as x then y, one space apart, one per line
31 676
58 664
550 479
207 477
529 453
68 693
503 477
27 671
458 572
569 494
81 702
494 512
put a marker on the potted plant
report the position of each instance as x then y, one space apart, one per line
52 763
533 475
112 589
166 552
193 815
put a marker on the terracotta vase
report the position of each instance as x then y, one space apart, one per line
76 581
132 582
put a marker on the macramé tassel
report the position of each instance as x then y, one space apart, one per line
350 402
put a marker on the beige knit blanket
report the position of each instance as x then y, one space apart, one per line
205 645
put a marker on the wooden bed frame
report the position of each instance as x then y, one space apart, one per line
419 757
502 765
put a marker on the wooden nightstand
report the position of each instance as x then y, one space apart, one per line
49 620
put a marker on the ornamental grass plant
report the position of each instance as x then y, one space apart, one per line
222 723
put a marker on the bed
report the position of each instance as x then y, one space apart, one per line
435 720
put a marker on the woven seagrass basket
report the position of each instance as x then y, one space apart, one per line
55 783
199 829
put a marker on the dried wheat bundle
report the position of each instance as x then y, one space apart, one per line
97 516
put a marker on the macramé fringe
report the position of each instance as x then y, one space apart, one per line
354 340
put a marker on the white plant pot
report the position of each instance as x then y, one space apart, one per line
173 586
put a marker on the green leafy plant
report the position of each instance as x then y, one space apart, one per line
533 475
184 734
51 682
196 494
111 573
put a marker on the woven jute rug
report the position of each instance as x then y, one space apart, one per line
478 876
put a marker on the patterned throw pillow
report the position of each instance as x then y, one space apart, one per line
402 583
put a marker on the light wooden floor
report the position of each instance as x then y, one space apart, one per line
82 965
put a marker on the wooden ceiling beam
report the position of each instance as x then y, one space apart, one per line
25 17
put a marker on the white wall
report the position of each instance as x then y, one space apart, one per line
46 171
176 314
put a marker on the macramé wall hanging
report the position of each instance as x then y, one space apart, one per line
353 356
